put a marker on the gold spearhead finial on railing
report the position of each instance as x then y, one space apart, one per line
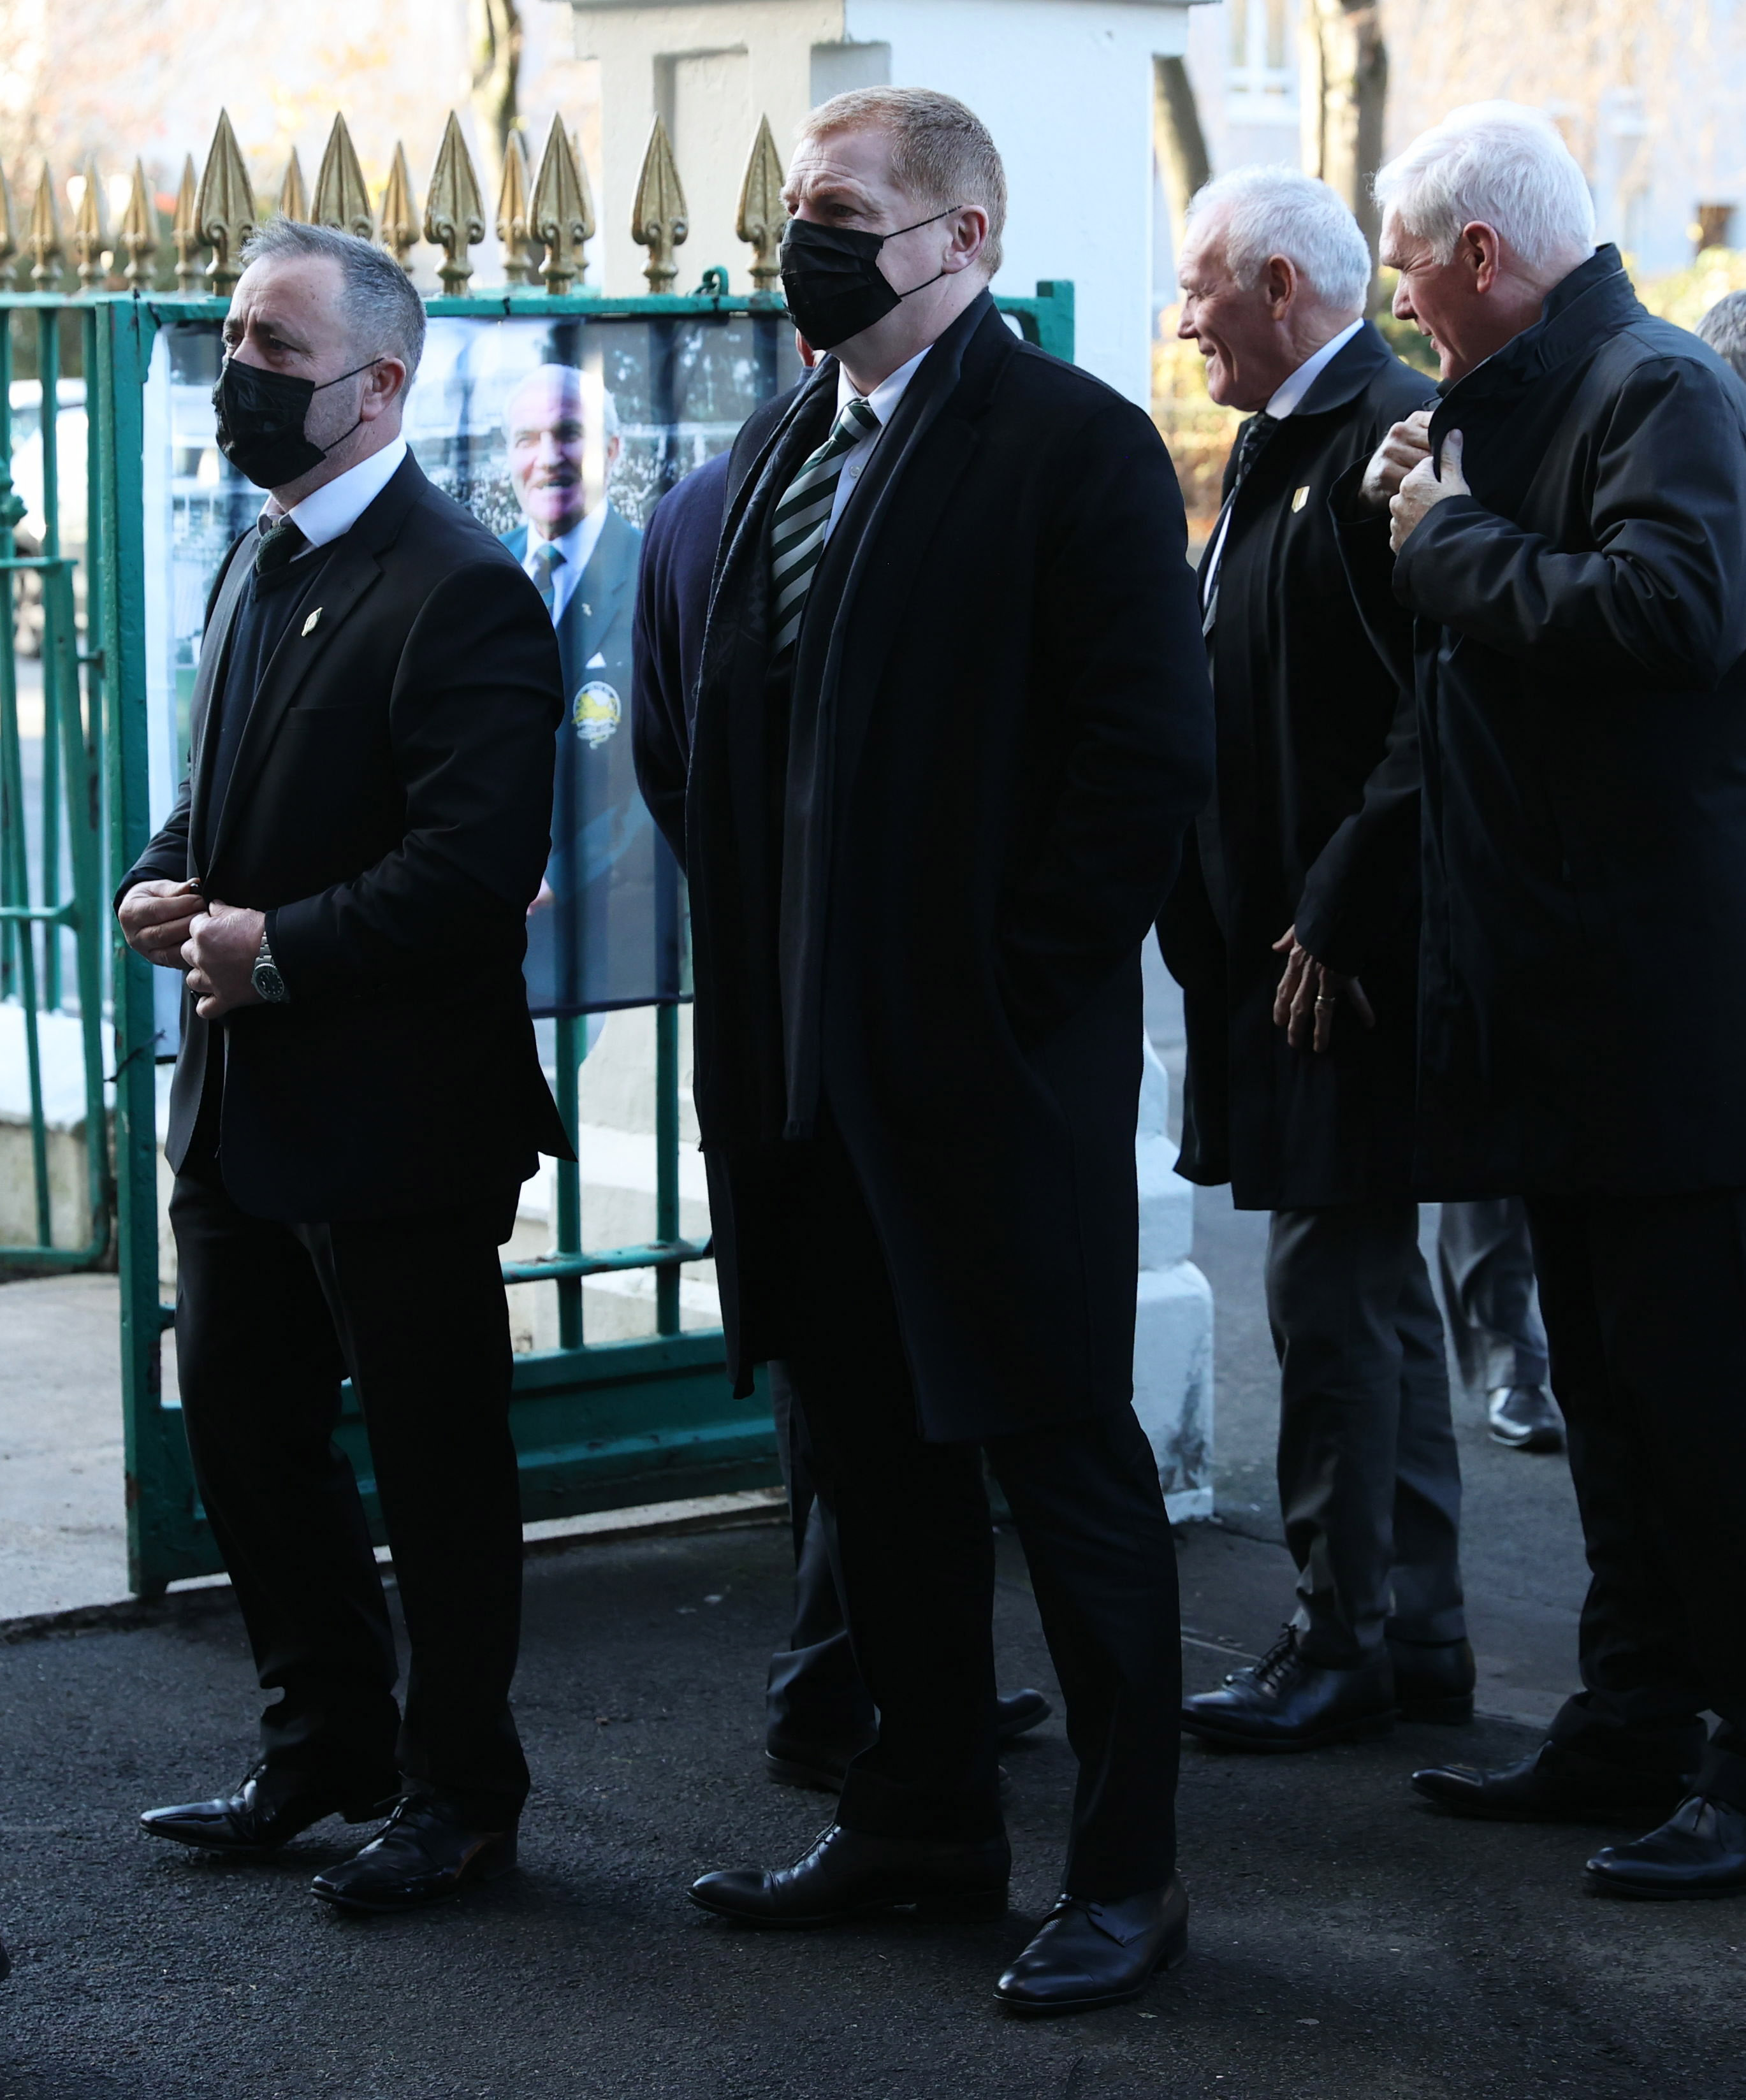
42 242
8 235
762 214
89 237
454 212
225 211
184 229
660 220
562 216
294 198
513 209
399 210
138 237
342 200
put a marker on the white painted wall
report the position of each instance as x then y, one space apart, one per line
1065 86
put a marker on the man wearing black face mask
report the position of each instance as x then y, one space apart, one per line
952 722
344 880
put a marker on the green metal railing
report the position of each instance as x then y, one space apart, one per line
597 1425
54 890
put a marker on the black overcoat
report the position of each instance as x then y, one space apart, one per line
1002 652
389 810
1314 821
1580 626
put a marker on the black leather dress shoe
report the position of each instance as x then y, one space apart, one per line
271 1807
1551 1786
1092 1954
1701 1851
1433 1681
1284 1703
822 1767
846 1872
1525 1417
429 1850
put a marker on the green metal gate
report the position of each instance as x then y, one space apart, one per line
597 1425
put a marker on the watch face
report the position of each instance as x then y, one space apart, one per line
269 985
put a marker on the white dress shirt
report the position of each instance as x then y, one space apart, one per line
883 401
577 548
337 505
1287 396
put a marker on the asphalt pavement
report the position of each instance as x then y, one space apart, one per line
1346 1940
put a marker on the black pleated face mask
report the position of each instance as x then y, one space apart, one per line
260 416
831 281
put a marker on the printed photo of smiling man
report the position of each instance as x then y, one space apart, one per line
561 431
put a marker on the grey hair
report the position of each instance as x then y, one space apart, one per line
1500 163
1278 211
590 385
1723 327
383 313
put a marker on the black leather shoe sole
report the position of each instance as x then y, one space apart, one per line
202 1841
1319 1739
490 1863
963 1906
1637 1892
795 1771
1171 1954
1626 1815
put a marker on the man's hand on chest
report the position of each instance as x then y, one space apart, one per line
224 942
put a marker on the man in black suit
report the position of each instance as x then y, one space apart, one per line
345 879
952 722
1294 933
1570 535
588 926
818 1714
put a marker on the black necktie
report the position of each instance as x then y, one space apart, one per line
281 542
1251 441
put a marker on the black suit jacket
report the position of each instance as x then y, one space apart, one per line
1001 671
1579 647
1314 821
389 811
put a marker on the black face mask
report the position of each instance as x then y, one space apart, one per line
260 417
831 280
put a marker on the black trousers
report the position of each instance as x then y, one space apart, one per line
1370 1481
1645 1303
814 1696
907 1524
269 1317
1487 1264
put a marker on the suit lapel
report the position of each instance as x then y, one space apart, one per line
598 588
886 526
338 590
209 679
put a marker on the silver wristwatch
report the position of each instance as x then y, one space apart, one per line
269 985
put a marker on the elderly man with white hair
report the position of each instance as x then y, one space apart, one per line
1569 530
1294 933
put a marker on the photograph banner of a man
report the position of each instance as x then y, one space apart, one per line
560 435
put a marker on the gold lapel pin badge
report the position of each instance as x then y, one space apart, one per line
309 624
1298 502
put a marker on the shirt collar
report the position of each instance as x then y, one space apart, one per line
337 505
1289 395
885 397
576 546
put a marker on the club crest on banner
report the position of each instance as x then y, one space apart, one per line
597 712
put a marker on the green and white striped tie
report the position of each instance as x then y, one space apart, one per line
797 531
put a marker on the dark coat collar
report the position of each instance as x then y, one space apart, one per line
1582 311
1349 372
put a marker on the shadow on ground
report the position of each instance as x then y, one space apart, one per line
1344 1942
